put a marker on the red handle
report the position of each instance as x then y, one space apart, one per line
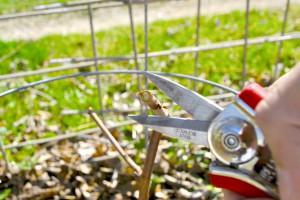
238 186
252 94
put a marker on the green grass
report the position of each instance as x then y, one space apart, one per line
216 65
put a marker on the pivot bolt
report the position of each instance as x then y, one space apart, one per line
231 142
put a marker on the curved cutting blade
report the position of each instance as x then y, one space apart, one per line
194 131
198 106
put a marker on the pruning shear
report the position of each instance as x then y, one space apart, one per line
241 159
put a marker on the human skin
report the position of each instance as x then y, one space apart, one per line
278 116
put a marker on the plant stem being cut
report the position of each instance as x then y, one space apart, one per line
148 98
143 176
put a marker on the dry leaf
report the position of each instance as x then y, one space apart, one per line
85 150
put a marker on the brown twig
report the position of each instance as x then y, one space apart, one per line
147 97
121 151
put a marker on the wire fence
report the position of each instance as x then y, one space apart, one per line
96 60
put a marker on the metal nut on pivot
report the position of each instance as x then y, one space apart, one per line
231 142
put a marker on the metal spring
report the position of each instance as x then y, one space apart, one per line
268 172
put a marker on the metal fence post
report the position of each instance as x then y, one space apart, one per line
95 52
245 43
7 169
197 41
277 68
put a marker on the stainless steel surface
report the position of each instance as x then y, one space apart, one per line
232 140
247 113
194 131
198 106
173 122
235 115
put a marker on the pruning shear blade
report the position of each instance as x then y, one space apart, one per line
194 131
198 106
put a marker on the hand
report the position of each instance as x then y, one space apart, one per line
278 116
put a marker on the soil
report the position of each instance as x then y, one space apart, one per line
32 28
